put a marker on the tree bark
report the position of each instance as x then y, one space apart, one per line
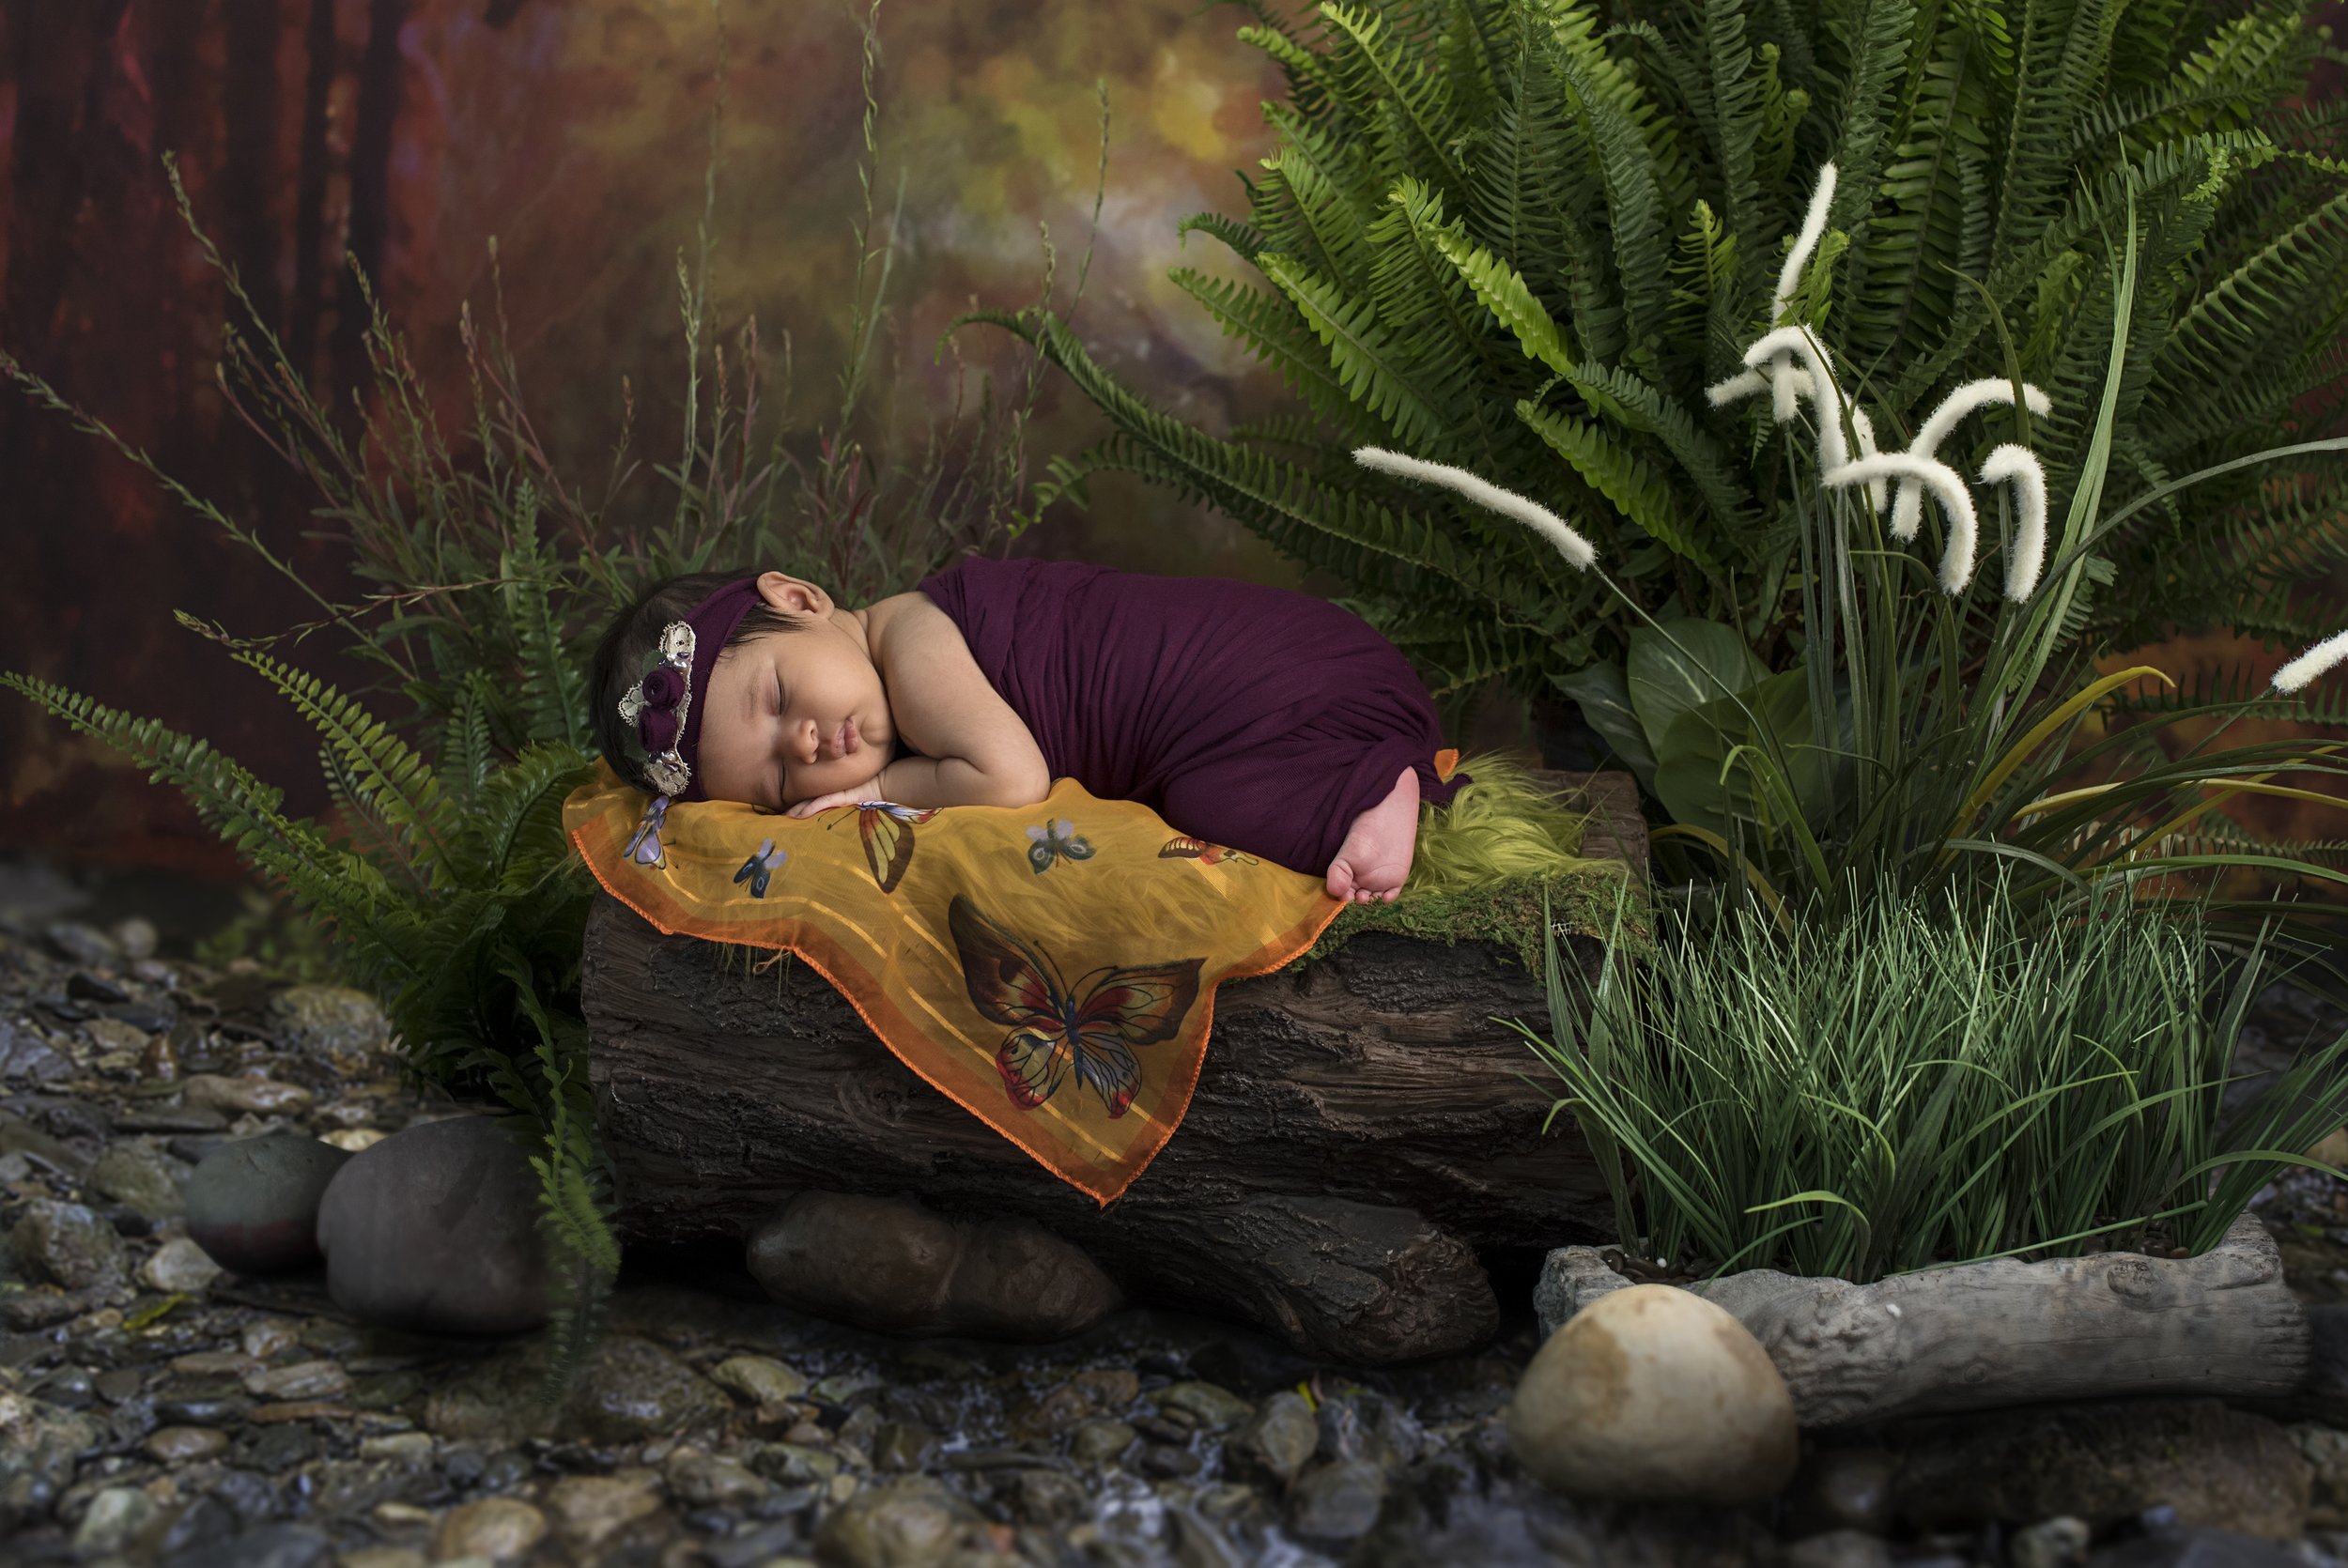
1361 1130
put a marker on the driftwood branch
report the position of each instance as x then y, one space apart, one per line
2005 1332
1361 1130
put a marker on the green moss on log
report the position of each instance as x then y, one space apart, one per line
1582 902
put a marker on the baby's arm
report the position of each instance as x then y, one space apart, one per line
977 751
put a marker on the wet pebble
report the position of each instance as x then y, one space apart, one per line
333 1020
66 1243
180 1445
260 1097
912 1523
138 1174
1840 1548
301 1380
1336 1500
760 1379
1279 1439
178 1265
113 1516
706 1482
1097 1442
498 1529
632 1390
2057 1543
587 1509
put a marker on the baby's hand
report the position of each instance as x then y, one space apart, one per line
825 803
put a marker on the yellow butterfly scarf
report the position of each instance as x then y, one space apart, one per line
1050 967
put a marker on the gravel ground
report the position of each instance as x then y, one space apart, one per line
154 1410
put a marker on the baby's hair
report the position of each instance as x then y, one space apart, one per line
629 646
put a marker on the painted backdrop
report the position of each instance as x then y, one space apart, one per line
405 134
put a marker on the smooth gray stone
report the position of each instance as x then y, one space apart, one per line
435 1229
253 1204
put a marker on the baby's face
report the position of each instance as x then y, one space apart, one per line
793 716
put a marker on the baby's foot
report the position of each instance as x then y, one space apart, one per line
1375 857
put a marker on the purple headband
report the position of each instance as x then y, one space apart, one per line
665 705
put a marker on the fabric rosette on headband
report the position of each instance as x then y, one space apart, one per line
660 704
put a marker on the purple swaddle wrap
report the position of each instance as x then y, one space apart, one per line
1255 717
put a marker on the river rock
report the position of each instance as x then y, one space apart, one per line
260 1097
891 1265
114 1515
330 1021
1279 1439
498 1529
180 1445
1839 1549
178 1265
1651 1393
706 1480
253 1204
139 1173
27 1057
587 1509
760 1379
2057 1543
1336 1502
40 1446
71 1245
435 1229
633 1391
278 1546
2105 1463
912 1523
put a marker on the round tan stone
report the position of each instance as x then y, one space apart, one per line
587 1509
1651 1393
760 1379
498 1529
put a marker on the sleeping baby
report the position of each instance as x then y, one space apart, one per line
1257 718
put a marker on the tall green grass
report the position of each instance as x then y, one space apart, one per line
1914 1082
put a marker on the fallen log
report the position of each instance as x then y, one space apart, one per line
1360 1132
1978 1336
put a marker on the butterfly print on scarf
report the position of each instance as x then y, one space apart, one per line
1084 1032
1182 846
644 847
1057 841
886 829
759 867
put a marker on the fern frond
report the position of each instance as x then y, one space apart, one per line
1369 364
396 779
1270 324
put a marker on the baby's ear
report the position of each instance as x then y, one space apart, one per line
792 596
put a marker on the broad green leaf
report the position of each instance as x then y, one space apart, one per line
1683 664
1604 698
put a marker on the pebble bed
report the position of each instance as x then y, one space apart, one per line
154 1410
